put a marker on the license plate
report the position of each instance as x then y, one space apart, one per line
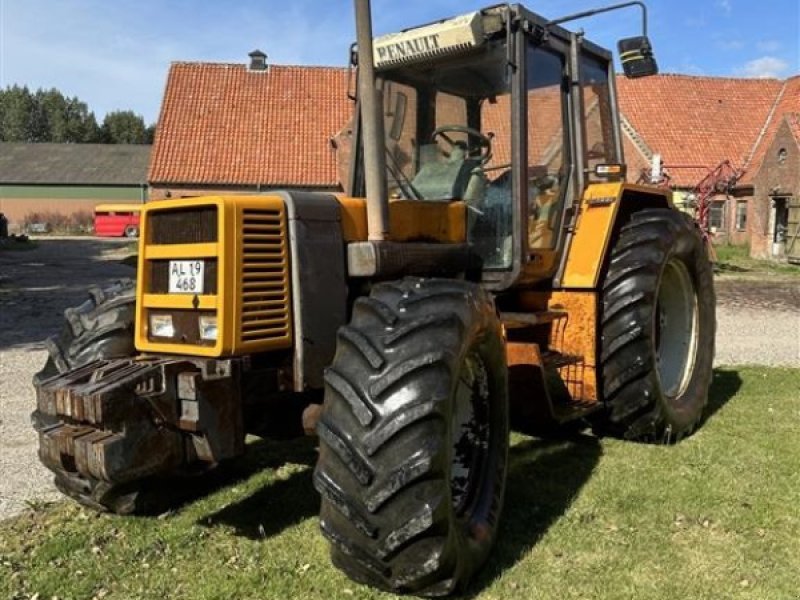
186 276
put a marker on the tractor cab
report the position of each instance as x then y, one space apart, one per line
508 113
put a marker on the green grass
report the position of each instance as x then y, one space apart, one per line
736 260
715 516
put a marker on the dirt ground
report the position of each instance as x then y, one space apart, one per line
758 323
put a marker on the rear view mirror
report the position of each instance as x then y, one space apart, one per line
637 57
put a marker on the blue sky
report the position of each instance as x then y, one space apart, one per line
114 54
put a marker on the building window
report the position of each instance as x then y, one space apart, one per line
782 154
741 215
716 215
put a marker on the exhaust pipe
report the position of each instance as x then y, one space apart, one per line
370 101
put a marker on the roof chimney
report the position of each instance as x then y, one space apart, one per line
258 61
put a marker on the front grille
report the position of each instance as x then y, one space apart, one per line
195 225
265 285
159 277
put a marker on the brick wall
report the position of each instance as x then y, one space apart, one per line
776 177
16 209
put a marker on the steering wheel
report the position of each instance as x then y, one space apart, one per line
484 141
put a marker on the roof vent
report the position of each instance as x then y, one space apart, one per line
258 61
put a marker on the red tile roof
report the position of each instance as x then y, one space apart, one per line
698 121
786 103
222 124
794 124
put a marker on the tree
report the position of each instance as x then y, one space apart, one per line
55 106
49 116
81 126
124 127
15 116
45 116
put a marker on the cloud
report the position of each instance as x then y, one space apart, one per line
729 44
768 45
725 5
766 66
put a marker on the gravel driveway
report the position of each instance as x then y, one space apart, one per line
758 323
35 288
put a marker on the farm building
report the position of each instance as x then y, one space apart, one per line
248 128
774 216
696 123
41 181
238 128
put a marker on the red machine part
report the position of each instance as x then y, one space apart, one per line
722 179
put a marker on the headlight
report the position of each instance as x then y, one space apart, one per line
208 327
161 326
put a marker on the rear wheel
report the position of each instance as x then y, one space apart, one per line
414 437
658 328
100 328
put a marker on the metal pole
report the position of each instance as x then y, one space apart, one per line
372 128
605 9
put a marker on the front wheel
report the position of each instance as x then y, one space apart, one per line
414 437
658 328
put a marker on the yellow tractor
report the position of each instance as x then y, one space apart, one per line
488 264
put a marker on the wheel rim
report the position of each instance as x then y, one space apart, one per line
675 328
470 439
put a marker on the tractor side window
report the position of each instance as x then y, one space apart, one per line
453 143
489 194
400 123
547 144
599 127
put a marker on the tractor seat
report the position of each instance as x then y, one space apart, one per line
445 179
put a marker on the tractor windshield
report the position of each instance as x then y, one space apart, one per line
448 138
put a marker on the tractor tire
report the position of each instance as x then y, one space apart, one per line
414 437
658 328
100 328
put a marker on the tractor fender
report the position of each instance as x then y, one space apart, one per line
604 209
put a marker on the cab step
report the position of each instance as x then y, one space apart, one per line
555 360
519 320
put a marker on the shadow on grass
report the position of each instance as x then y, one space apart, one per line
171 495
730 268
278 505
544 478
725 385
